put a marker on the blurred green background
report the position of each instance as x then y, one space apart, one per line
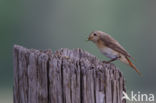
58 24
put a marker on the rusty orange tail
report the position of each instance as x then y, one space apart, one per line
133 66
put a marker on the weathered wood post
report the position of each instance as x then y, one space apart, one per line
65 76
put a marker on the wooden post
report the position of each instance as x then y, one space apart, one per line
65 76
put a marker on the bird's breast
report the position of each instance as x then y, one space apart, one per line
108 52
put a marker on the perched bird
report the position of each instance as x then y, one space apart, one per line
111 48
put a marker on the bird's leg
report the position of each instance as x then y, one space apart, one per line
111 60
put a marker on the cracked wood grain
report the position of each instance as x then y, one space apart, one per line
64 76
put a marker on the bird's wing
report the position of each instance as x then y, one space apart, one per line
113 44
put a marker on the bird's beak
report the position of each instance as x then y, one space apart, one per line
89 38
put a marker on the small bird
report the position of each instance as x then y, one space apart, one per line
111 48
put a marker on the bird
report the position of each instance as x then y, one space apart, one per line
111 48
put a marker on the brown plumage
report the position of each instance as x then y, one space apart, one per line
111 48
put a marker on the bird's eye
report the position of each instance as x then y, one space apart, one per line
95 34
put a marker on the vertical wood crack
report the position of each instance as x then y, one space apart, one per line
64 77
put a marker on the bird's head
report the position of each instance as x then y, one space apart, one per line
95 36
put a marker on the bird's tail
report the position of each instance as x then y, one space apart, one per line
133 66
